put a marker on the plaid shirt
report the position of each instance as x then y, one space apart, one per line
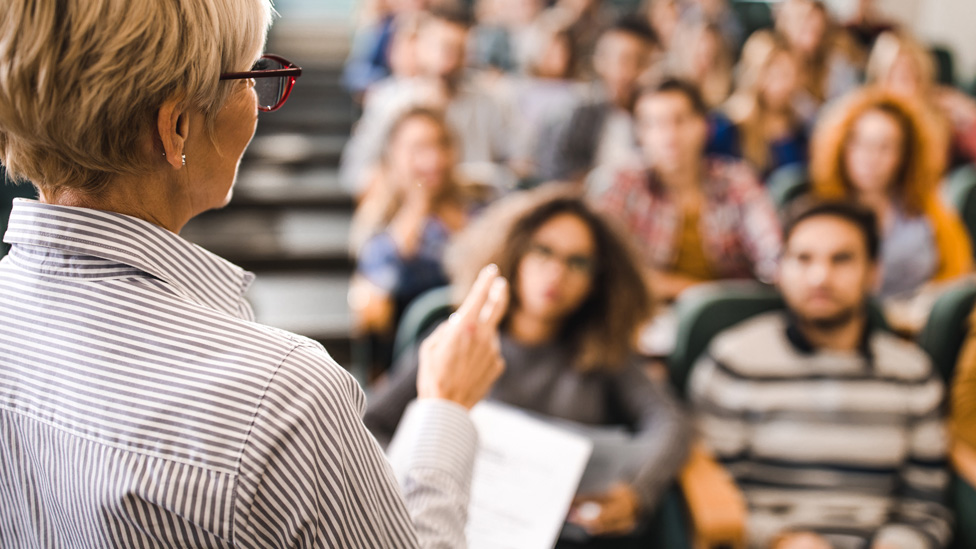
740 229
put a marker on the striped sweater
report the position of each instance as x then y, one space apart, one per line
848 445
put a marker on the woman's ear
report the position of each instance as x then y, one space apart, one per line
172 125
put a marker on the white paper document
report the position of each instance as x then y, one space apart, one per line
525 476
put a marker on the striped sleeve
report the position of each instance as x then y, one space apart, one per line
311 475
433 455
921 518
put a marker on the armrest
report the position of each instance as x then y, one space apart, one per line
963 459
715 504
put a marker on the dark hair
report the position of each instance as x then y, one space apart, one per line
455 14
851 212
604 327
680 86
636 27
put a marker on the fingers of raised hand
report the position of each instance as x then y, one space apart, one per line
470 310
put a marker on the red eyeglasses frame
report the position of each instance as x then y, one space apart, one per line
291 70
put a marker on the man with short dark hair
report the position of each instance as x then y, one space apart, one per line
831 426
695 217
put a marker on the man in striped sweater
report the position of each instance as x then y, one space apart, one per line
832 427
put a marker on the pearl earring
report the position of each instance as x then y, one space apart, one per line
184 160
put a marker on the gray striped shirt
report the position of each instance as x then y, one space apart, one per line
141 406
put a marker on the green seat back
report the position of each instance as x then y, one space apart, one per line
945 331
945 65
753 14
423 313
786 184
959 191
962 500
705 311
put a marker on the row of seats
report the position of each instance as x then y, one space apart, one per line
707 502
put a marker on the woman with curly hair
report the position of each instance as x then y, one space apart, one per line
875 148
901 64
577 300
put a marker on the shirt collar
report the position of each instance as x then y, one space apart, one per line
803 345
194 272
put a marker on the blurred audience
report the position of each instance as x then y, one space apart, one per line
586 21
600 131
696 218
700 54
402 226
827 67
831 426
483 123
544 94
718 15
771 131
867 23
663 17
502 38
876 148
668 117
903 66
577 300
369 59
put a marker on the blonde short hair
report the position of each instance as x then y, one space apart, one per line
81 81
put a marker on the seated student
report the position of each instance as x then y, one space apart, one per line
402 226
586 21
663 17
600 131
369 60
696 218
875 147
827 64
832 428
771 132
546 91
903 66
501 41
568 340
701 55
483 123
720 14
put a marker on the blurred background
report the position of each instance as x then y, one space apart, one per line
290 218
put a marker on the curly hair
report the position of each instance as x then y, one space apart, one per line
923 161
605 326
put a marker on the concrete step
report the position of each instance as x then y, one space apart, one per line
259 239
312 305
323 118
277 187
295 149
